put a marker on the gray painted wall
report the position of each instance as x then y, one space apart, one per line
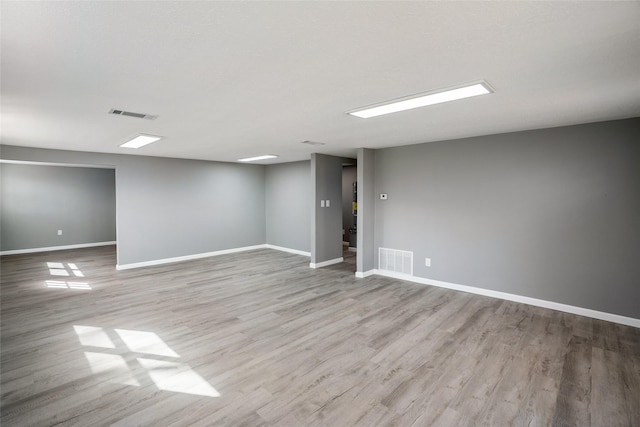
326 223
552 214
37 201
171 207
365 260
287 199
349 176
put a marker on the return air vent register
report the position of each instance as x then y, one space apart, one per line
395 261
132 114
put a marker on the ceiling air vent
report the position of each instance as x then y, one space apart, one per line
132 114
312 143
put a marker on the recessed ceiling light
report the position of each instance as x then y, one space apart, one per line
140 141
424 99
254 159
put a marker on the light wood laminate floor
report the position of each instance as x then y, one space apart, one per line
259 339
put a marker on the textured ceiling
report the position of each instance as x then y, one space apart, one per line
239 79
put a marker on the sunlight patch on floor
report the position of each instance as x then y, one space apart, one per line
59 269
145 342
58 272
67 285
112 364
93 336
178 377
118 354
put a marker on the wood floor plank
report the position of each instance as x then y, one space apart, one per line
259 339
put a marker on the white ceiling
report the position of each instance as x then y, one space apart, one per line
239 79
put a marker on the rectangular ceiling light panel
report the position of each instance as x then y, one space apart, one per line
424 99
140 141
255 159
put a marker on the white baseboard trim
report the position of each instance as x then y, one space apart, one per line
292 251
56 248
187 257
326 263
352 249
587 312
361 275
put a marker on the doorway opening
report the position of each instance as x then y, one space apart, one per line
349 211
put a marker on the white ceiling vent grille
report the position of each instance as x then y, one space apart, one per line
395 261
132 114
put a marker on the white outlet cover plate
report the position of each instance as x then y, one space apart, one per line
427 262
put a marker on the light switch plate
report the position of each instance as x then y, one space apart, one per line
328 204
59 232
322 203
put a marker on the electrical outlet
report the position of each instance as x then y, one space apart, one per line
427 262
59 232
322 203
328 204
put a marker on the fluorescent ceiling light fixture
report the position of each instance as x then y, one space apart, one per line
254 159
424 99
140 141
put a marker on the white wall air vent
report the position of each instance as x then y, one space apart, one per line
395 261
132 114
